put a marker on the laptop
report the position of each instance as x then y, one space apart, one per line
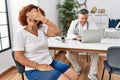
118 26
91 36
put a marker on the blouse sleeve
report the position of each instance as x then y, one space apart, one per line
18 42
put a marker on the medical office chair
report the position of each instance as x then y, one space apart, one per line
112 64
20 68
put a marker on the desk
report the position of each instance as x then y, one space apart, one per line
77 46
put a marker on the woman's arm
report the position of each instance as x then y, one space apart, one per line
53 30
19 56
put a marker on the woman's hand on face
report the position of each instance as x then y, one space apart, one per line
44 67
35 14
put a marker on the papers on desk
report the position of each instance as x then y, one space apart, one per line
112 33
58 39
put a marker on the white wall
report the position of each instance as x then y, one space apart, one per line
13 7
5 61
111 6
50 9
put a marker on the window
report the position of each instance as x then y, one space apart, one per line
4 27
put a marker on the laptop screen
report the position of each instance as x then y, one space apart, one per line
91 36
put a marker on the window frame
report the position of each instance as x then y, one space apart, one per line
8 29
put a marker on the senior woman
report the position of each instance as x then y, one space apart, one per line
31 47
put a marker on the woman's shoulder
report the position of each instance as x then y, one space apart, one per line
20 32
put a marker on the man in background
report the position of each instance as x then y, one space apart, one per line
75 32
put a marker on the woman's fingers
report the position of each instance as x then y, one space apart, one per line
45 67
38 10
36 15
49 67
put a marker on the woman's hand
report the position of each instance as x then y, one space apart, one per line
44 67
35 14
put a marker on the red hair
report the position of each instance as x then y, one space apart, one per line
22 14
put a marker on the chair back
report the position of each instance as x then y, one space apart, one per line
113 56
20 68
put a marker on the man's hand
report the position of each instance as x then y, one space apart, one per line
79 38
